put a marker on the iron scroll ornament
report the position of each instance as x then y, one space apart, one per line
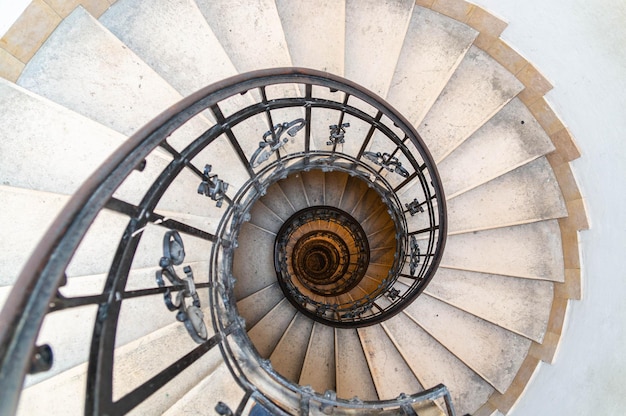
190 315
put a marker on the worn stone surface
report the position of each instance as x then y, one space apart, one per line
351 365
318 368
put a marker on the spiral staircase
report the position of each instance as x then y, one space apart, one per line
293 222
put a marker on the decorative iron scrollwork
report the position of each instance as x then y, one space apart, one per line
190 315
393 293
337 134
213 187
415 256
273 140
391 163
414 207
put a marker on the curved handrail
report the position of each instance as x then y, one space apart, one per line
36 290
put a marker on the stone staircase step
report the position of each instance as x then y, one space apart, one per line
315 40
531 251
335 185
354 194
139 360
202 398
173 38
510 139
479 88
314 182
267 333
253 273
255 306
353 374
258 42
288 356
263 217
527 194
432 363
519 305
492 352
293 188
318 369
366 21
276 200
433 48
70 68
389 371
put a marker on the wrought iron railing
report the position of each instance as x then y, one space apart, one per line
324 122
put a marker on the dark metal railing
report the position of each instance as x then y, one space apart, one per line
270 122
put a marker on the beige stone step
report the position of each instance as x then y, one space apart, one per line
527 194
318 369
288 356
219 386
267 333
85 68
375 31
137 362
512 138
335 185
258 41
479 88
492 352
263 217
173 38
276 200
532 251
315 40
391 374
253 261
433 48
432 363
255 306
354 193
519 305
353 374
313 182
293 188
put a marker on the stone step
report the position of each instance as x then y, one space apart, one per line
527 194
219 386
432 363
519 305
492 352
267 333
276 200
318 368
354 193
315 40
479 88
313 182
433 48
335 185
293 188
512 138
288 356
136 362
374 34
263 217
84 67
258 42
389 371
254 307
173 38
253 273
353 374
532 251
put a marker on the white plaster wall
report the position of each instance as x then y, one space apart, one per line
11 10
580 46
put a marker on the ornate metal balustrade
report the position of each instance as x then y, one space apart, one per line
273 123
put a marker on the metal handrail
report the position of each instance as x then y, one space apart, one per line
36 292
